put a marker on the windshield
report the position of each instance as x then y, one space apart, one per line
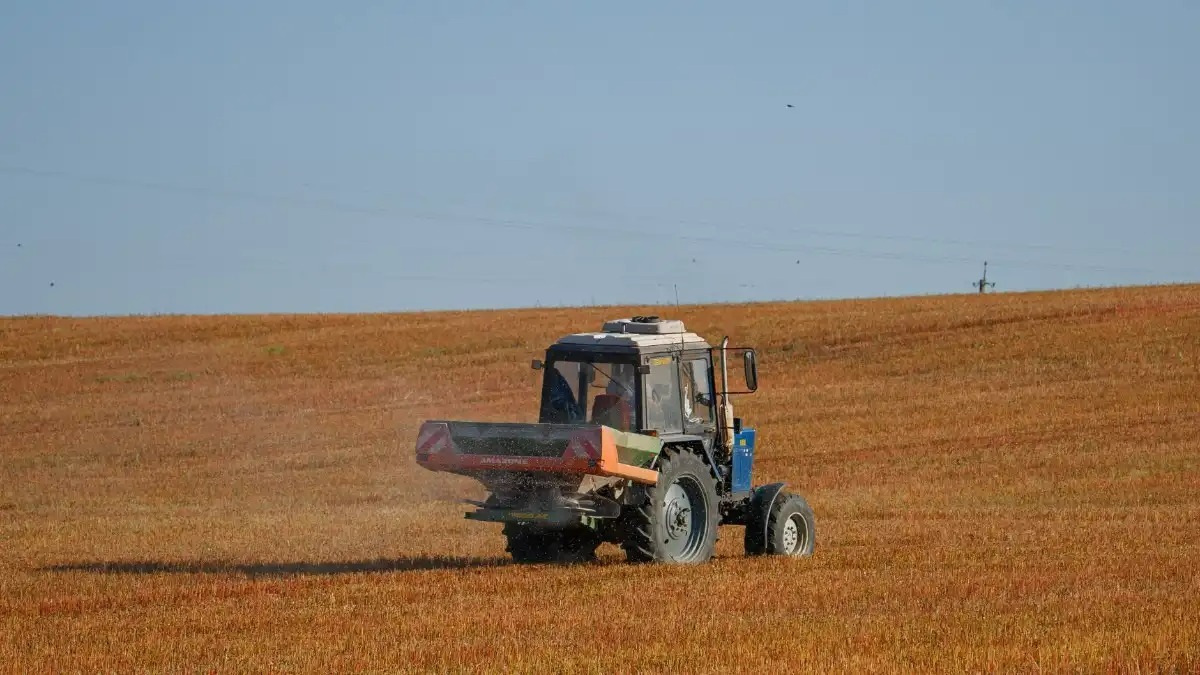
577 392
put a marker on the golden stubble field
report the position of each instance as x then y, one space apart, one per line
1002 483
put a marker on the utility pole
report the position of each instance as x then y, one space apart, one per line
983 283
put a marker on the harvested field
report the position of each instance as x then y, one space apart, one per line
1005 482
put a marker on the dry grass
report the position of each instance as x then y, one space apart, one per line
1001 482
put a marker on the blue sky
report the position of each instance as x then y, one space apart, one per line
304 157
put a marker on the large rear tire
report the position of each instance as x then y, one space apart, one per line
674 521
532 544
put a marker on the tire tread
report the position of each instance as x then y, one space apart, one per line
785 505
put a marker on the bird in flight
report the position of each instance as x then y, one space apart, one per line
790 105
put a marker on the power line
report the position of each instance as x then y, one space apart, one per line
602 231
339 206
450 275
990 244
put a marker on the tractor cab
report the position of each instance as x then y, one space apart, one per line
645 374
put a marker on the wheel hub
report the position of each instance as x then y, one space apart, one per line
791 535
678 510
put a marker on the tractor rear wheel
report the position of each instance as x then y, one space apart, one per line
529 544
674 521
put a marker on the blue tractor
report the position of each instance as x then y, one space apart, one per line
634 445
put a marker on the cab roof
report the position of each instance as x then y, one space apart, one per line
636 334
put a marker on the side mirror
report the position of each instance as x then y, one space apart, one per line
538 365
751 371
737 425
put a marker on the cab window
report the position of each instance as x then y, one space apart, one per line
697 393
663 408
599 392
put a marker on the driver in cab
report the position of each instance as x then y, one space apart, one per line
615 407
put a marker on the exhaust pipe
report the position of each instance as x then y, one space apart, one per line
726 406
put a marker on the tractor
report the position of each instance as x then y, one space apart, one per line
634 445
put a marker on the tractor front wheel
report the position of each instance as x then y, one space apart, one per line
674 521
790 527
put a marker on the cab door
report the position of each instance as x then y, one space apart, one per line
662 409
697 394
